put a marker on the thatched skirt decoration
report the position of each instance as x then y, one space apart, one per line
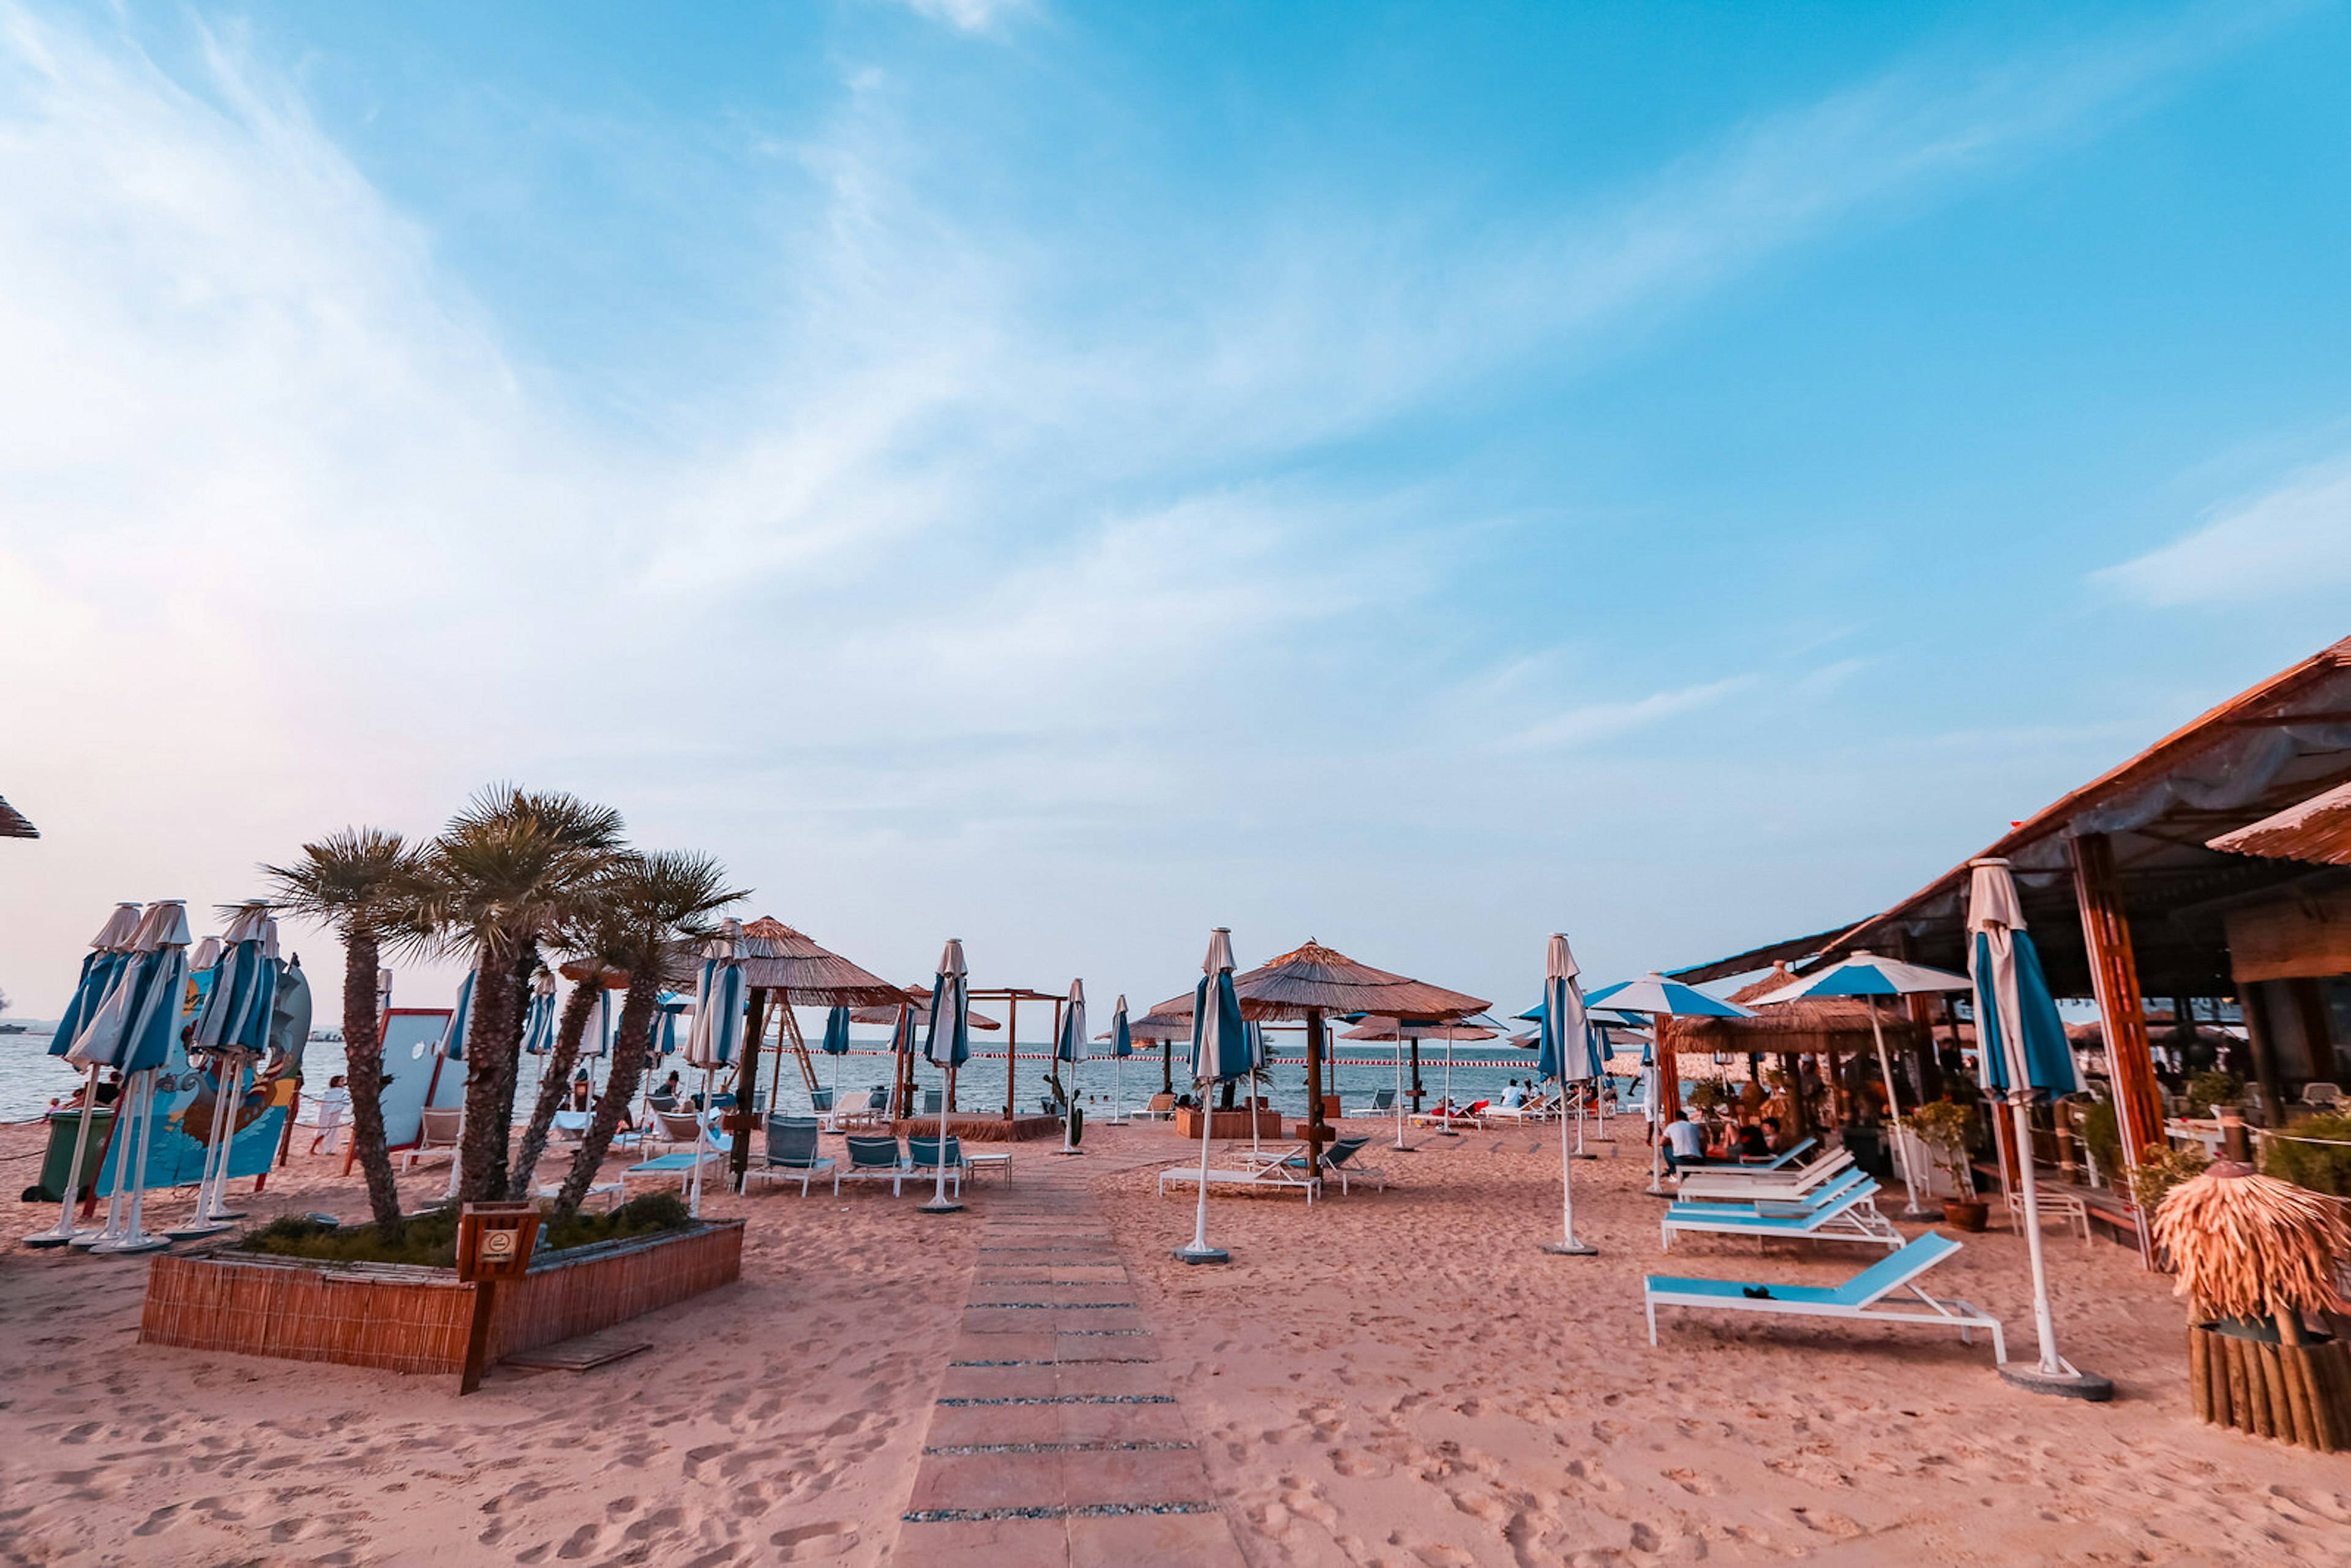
2242 1376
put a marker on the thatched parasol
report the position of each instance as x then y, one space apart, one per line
1400 1030
1312 982
785 965
919 999
1166 1028
13 824
1807 1026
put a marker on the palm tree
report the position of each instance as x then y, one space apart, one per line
593 941
658 903
365 884
511 869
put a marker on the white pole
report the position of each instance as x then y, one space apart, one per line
2052 1365
1118 1095
64 1230
939 1204
1893 1109
1201 1217
126 1129
1567 1244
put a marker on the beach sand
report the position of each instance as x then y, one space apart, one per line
1397 1377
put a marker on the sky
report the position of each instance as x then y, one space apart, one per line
1069 476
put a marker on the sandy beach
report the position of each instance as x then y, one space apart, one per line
1394 1378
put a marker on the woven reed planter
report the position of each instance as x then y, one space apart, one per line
399 1318
1228 1124
2294 1393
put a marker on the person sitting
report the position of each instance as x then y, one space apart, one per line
671 1089
582 1090
1773 1142
1685 1144
1513 1097
1749 1143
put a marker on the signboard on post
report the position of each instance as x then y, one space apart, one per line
494 1242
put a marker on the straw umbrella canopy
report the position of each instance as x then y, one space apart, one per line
1312 982
918 999
790 968
1167 1026
1403 1030
13 824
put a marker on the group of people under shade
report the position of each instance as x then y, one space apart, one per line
1689 1143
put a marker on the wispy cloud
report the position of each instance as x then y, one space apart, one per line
970 16
1609 720
2294 539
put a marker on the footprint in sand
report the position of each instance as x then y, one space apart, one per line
1355 1465
1692 1482
810 1543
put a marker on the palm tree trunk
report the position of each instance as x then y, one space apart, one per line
634 1039
363 1054
492 1043
553 1089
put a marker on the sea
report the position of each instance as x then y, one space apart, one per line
31 1079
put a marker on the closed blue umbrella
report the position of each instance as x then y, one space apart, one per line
1571 1056
232 1027
836 1045
1122 1046
948 1047
133 1032
1222 1051
2024 1053
716 1038
538 1016
451 1047
101 970
1070 1044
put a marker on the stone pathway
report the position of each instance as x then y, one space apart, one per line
1057 1437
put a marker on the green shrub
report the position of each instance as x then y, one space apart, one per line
2160 1170
1948 1129
430 1239
2102 1137
2322 1167
2207 1089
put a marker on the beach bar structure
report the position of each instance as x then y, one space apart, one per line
2211 867
1837 1028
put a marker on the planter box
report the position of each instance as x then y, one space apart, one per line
1229 1123
399 1318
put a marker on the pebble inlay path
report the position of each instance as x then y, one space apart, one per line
1057 1437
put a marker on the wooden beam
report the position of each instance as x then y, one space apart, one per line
2113 977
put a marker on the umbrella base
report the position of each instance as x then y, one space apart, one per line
50 1238
1569 1249
2070 1383
198 1232
1065 1150
1658 1192
1921 1217
131 1245
940 1206
1188 1253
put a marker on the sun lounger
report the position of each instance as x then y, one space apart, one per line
675 1129
1856 1299
1339 1160
2065 1207
792 1152
615 1192
1383 1105
1850 1216
923 1162
1282 1171
1780 1161
437 1133
1469 1116
871 1159
1782 1187
1162 1108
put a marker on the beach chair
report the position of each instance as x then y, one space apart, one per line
1849 1215
1856 1299
1769 1202
1383 1105
1339 1160
614 1192
933 1099
2053 1203
1472 1115
436 1135
1162 1108
572 1126
1742 1185
820 1101
792 1152
871 1159
1283 1170
702 1143
923 1161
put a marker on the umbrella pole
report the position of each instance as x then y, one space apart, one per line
940 1203
134 1239
2054 1375
1447 1130
1199 1252
64 1231
1399 1092
217 1210
126 1128
1567 1244
1893 1112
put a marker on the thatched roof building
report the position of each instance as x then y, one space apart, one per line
1807 1026
13 824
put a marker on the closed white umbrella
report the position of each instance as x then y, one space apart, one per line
1221 1052
101 970
134 1033
1070 1049
1122 1046
716 1038
233 1029
1569 1056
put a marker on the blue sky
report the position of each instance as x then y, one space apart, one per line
1066 476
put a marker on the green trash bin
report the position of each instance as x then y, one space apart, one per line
64 1126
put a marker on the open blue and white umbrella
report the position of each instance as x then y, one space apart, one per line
1657 997
1222 1051
233 1029
716 1041
1070 1047
1122 1046
133 1032
1571 1056
948 1046
1868 975
836 1046
101 970
2025 1052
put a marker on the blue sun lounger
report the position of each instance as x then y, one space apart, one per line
1739 1186
1850 1216
1769 1200
1780 1161
1856 1299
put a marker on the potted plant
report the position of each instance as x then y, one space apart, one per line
1947 1128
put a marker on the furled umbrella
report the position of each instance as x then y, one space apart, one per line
1869 976
539 1015
905 1046
948 1046
1657 997
1570 1057
1221 1052
2025 1052
134 1033
451 1047
1070 1048
1122 1046
101 970
233 1029
717 1037
836 1046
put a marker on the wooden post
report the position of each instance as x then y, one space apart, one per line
747 1086
2264 1049
1921 1007
1011 1052
2113 977
1318 1132
1415 1077
1167 1067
